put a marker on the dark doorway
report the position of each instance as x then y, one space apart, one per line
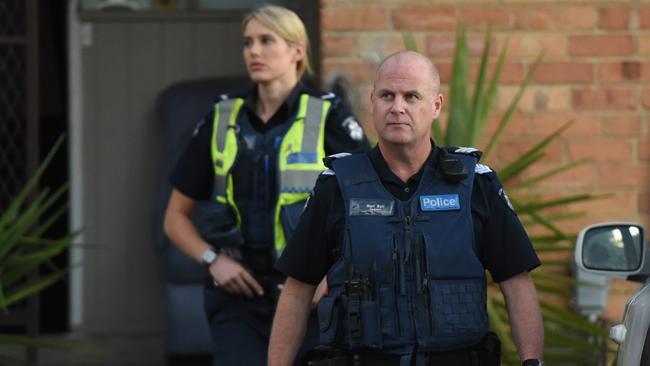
53 116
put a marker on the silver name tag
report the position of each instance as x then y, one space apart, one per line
371 207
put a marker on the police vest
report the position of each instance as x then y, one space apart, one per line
408 274
299 153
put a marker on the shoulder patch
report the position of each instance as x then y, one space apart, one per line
482 169
330 158
466 150
329 95
353 128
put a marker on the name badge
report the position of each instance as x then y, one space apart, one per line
369 207
445 202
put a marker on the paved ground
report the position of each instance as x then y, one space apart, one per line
142 350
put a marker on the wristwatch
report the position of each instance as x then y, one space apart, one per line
532 362
208 257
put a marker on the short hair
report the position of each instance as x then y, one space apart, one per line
287 25
435 76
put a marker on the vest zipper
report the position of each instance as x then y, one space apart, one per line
396 288
425 283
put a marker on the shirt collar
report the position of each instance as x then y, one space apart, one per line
250 99
387 175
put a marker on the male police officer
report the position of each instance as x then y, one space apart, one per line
404 235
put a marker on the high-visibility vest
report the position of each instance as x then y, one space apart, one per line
300 156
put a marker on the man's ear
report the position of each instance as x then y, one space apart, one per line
437 104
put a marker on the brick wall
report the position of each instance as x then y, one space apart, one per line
596 72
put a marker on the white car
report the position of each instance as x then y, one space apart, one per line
618 249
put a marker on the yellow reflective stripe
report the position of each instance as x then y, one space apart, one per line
294 181
224 151
224 135
312 124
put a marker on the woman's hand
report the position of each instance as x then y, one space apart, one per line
234 278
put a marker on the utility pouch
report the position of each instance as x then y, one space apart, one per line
217 225
490 350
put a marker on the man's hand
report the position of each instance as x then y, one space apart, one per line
234 278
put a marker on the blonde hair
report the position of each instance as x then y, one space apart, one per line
287 25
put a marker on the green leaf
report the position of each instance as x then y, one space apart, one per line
409 41
474 122
31 288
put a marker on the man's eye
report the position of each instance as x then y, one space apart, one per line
411 97
386 96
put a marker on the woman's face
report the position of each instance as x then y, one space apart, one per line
268 56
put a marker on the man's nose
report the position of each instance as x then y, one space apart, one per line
397 106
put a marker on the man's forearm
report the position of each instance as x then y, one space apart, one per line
525 315
290 322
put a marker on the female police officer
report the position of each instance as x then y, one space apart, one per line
259 153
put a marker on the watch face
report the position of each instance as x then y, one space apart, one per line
209 256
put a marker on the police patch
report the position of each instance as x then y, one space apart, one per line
371 207
504 195
444 202
353 128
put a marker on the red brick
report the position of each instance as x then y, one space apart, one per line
444 70
445 45
545 123
646 98
643 146
619 71
564 72
511 73
354 19
481 17
355 72
645 72
644 203
622 202
577 177
613 18
373 47
530 45
623 174
511 149
552 98
622 125
644 44
600 99
337 46
644 17
605 45
519 125
563 18
425 19
601 149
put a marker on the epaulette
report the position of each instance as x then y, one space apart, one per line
327 172
482 169
465 150
328 95
328 160
222 97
